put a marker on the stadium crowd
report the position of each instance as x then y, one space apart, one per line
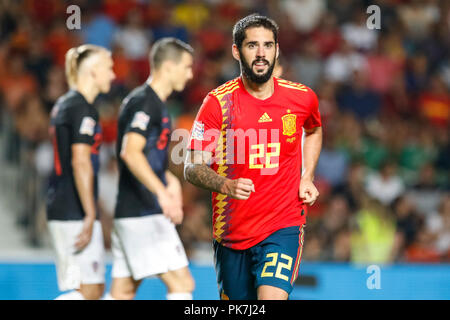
383 174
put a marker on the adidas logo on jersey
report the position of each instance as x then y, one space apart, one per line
265 118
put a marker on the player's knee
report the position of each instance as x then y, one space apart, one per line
272 293
123 289
180 282
123 293
92 292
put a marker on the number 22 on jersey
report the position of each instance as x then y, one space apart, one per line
264 155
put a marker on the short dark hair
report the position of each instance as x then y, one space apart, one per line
252 21
168 49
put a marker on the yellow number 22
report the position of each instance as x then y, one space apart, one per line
280 267
261 150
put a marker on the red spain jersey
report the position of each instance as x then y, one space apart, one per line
258 140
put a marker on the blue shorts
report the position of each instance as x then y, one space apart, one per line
274 261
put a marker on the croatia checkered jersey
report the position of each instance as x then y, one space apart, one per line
258 140
73 121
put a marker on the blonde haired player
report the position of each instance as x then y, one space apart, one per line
71 198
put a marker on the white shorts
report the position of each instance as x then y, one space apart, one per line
85 267
146 246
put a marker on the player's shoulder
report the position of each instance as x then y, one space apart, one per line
292 86
137 94
227 87
72 104
72 98
297 91
138 98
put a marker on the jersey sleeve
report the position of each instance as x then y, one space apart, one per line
141 117
83 120
314 119
207 125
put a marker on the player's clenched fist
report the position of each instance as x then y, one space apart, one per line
308 192
240 188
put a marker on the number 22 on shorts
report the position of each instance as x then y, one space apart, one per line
280 266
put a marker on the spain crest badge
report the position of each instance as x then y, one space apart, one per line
289 124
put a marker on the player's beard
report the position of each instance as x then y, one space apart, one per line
252 76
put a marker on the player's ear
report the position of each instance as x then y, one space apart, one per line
278 51
235 52
166 66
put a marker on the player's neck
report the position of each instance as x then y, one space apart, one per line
259 90
161 87
87 90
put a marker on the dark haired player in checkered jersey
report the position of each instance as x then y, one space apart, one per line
149 204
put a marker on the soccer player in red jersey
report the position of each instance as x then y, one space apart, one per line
246 147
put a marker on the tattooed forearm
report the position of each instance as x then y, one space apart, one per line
204 177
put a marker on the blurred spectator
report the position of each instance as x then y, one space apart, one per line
38 62
196 227
383 68
307 66
357 34
335 224
133 37
438 224
166 28
328 105
17 83
343 9
339 67
418 149
353 187
434 103
416 73
55 86
288 36
396 100
333 163
313 247
443 141
327 37
118 9
409 221
373 238
422 250
426 192
192 14
342 249
8 13
359 98
213 39
32 120
98 29
304 14
122 67
385 185
418 16
155 14
58 41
